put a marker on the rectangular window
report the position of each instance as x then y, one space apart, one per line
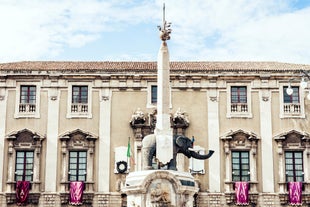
27 99
238 99
240 166
153 94
77 165
291 103
24 166
79 94
294 166
238 94
294 98
79 99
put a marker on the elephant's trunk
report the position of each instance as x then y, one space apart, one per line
198 156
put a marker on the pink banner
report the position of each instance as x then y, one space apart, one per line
294 194
76 192
242 193
22 192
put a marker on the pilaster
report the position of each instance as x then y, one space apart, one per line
104 141
214 141
3 105
52 140
266 140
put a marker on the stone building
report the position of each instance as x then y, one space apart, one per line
73 121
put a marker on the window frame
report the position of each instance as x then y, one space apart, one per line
243 173
239 113
25 172
79 106
291 109
18 101
78 163
294 171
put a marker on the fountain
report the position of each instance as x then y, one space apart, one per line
157 187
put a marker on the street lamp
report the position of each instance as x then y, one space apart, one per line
303 84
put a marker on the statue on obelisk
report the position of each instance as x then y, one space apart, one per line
163 131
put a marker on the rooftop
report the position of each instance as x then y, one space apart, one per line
114 66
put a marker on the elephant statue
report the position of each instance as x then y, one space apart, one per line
181 144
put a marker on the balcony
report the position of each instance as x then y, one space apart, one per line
80 108
27 108
291 108
239 108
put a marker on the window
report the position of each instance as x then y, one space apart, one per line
240 166
27 99
294 166
239 99
291 103
24 166
153 94
77 165
79 99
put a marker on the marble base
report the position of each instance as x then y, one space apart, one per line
160 188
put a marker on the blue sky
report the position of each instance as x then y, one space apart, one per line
126 30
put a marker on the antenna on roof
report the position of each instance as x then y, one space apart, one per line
165 28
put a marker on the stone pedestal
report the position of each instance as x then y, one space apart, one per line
160 188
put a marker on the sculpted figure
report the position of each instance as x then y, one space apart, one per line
181 144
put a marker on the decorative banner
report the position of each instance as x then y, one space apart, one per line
22 192
242 193
76 193
294 194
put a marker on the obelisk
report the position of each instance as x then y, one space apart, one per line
163 131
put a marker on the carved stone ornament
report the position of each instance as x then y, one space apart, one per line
25 139
180 118
78 138
292 139
137 118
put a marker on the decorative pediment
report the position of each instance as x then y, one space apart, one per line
240 138
24 136
78 135
292 138
240 135
77 139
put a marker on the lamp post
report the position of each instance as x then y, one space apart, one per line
303 84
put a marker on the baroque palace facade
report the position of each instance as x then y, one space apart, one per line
74 121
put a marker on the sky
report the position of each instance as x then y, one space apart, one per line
126 30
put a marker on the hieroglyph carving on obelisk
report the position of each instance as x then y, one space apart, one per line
163 131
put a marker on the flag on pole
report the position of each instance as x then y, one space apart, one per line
129 152
128 148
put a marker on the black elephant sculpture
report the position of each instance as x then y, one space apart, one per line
181 144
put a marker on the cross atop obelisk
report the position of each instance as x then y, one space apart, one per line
163 131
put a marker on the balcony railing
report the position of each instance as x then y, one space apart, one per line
291 108
27 108
239 107
79 108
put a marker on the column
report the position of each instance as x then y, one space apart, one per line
52 140
266 140
104 141
214 141
163 129
3 105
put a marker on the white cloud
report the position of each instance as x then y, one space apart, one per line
241 30
34 29
202 29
